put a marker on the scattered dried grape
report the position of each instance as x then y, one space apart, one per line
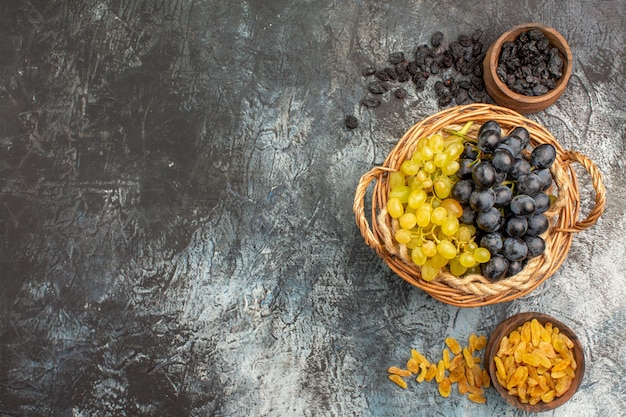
351 122
463 369
459 63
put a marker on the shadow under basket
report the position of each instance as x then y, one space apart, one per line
476 290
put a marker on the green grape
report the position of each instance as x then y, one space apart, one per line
422 215
395 207
467 260
475 270
453 207
407 221
438 215
440 159
436 142
450 167
396 179
418 256
417 198
429 271
414 242
454 150
463 235
426 153
410 167
403 236
450 225
421 176
429 248
429 167
442 188
438 261
401 193
482 255
456 268
472 246
427 183
446 249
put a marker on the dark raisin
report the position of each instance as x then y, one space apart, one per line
371 102
478 33
377 87
412 68
400 93
369 71
391 72
465 40
434 68
351 122
457 49
440 88
462 97
540 89
382 75
444 99
436 39
396 58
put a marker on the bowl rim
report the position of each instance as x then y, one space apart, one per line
494 54
494 342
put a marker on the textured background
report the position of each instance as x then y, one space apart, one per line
176 226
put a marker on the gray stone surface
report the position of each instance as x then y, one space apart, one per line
176 186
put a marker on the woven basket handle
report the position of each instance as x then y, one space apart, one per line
598 185
359 211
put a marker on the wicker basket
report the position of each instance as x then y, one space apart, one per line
476 290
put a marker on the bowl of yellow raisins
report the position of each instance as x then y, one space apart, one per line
535 362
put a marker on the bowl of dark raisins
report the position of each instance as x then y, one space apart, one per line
527 68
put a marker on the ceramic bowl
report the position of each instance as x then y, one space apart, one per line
521 103
504 329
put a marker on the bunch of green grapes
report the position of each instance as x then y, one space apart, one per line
428 218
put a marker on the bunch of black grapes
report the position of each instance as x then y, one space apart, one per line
502 187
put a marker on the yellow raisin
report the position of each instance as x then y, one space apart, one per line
454 345
568 341
562 385
422 374
415 354
504 346
558 374
445 387
440 371
398 371
547 349
535 332
519 352
446 358
548 396
486 379
531 359
463 386
432 372
413 365
500 369
455 362
477 398
398 380
518 378
525 333
471 343
481 342
469 359
478 376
